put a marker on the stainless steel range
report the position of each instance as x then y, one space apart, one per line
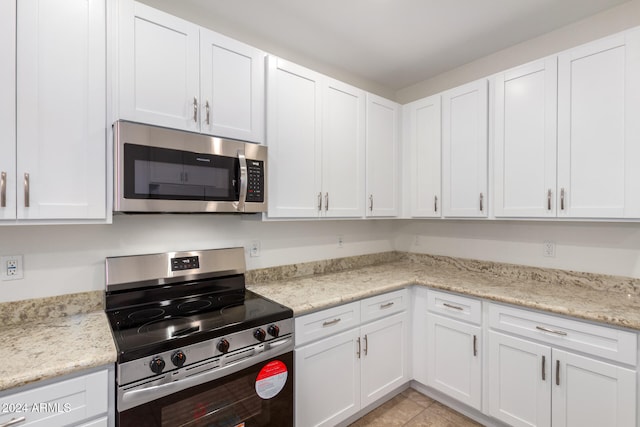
194 346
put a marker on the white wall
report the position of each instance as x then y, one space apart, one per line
606 248
70 258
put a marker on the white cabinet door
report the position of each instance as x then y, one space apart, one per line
454 364
8 110
525 140
384 356
599 130
464 150
327 382
343 139
231 88
382 157
424 136
591 393
519 381
294 139
420 346
61 85
158 68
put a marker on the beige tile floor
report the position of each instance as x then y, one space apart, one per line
413 409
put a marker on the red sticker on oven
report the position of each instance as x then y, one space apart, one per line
271 379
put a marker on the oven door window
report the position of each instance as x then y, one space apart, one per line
161 173
227 402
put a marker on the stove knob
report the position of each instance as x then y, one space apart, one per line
274 331
259 334
223 345
157 365
178 358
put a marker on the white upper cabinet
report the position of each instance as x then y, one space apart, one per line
8 110
293 134
423 134
464 150
383 117
525 140
159 72
175 74
599 130
315 133
343 142
61 109
231 88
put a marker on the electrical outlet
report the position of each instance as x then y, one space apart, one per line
11 267
340 242
549 249
254 249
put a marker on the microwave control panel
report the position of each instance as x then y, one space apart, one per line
255 186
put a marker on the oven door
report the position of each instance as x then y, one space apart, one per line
260 395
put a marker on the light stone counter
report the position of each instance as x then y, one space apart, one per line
50 337
607 299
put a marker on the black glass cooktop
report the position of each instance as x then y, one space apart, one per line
184 314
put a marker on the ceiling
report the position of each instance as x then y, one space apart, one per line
396 43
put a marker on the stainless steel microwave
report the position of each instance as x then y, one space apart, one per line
165 170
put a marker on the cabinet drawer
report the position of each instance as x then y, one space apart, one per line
602 341
61 403
455 306
384 305
326 322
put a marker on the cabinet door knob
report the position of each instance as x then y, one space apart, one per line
475 345
371 202
549 200
544 368
481 202
206 109
319 201
435 203
366 345
358 352
557 372
195 109
326 202
562 199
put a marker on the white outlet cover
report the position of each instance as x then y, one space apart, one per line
5 261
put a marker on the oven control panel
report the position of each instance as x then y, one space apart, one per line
185 263
238 344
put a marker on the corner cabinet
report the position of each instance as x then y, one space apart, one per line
423 134
549 371
349 357
209 83
598 128
464 150
383 118
55 169
316 136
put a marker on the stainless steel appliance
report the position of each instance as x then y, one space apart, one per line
194 346
165 170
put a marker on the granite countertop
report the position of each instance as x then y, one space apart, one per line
51 337
607 299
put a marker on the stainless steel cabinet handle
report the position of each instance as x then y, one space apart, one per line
3 190
326 202
13 421
435 203
206 108
544 370
370 202
557 372
26 190
387 305
549 200
320 201
552 331
366 345
330 322
475 345
455 307
195 109
481 202
562 199
358 352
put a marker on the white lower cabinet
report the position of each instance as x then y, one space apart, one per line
536 383
346 371
78 400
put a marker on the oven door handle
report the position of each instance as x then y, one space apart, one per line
130 399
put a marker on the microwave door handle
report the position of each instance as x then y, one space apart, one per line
243 182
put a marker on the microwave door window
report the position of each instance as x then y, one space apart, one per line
212 182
